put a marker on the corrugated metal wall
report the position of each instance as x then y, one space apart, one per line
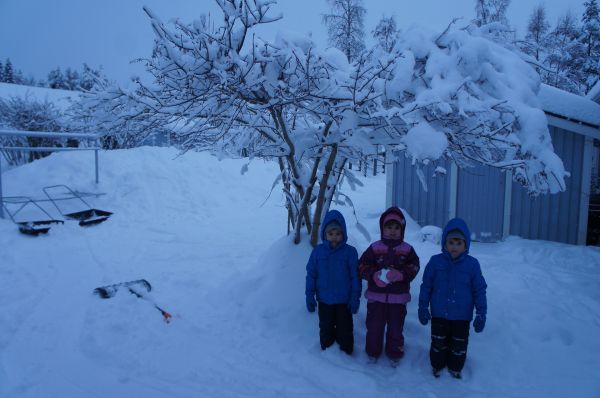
552 217
427 208
480 197
480 201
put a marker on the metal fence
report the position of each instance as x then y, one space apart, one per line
91 138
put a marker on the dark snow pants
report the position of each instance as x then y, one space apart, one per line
378 316
449 341
335 324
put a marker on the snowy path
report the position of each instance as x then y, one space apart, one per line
195 228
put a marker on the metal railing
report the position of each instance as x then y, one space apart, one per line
44 134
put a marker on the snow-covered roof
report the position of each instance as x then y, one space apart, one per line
573 107
60 98
594 93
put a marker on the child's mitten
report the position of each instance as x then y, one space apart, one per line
394 275
311 303
377 279
479 323
424 315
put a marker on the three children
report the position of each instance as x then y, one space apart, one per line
452 287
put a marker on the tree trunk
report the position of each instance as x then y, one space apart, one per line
324 183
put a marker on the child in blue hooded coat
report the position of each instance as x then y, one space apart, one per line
332 275
452 286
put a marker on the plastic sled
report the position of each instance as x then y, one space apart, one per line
29 227
86 217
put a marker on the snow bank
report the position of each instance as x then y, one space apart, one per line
212 243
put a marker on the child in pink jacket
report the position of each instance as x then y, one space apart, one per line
388 265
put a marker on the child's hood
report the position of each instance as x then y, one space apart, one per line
393 213
333 215
461 225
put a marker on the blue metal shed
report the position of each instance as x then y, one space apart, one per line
491 203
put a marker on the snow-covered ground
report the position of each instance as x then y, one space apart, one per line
61 99
212 243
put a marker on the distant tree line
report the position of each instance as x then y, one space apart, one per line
566 55
69 79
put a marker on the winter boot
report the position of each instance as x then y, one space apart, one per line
394 362
372 360
436 372
454 373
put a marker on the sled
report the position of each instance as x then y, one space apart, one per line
33 227
137 287
86 217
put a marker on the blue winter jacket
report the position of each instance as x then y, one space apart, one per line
453 287
332 274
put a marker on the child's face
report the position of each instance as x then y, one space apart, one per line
392 230
455 247
334 236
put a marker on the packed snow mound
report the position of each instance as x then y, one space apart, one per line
212 242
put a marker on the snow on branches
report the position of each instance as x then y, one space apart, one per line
454 94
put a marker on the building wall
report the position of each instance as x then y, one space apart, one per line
480 201
552 217
426 208
480 196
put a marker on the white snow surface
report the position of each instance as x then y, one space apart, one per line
62 99
212 243
569 105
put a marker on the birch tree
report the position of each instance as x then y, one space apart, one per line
386 33
345 26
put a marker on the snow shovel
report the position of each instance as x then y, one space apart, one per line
137 288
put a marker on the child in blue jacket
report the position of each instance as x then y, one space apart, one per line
452 287
332 275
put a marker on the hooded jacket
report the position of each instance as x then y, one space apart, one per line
332 273
391 254
453 287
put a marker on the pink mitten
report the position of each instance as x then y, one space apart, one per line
377 279
394 275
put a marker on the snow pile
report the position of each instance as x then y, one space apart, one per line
431 233
212 243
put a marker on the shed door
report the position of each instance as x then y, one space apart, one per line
480 201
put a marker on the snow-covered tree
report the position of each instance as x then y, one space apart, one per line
590 39
345 26
537 30
56 79
25 113
72 79
1 72
492 22
91 77
386 33
489 11
8 72
454 94
566 56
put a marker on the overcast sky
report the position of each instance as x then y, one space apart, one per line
39 35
